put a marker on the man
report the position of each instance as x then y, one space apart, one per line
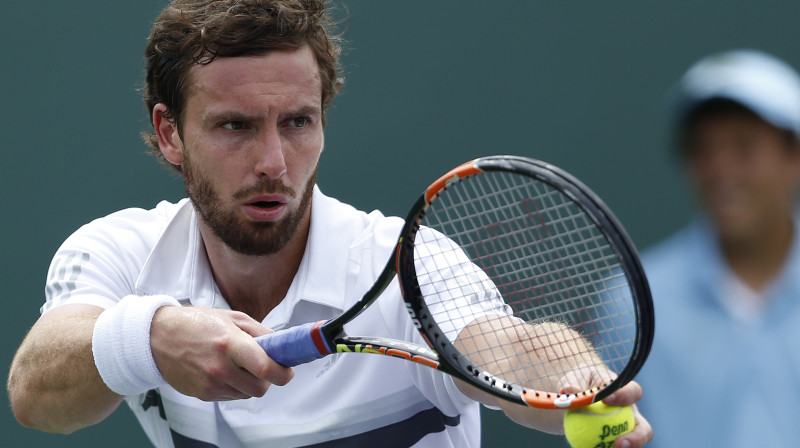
724 366
160 307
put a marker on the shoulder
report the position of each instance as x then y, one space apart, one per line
127 227
100 261
672 253
677 266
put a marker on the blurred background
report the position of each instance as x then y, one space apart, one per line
429 84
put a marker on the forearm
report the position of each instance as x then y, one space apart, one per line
53 383
537 356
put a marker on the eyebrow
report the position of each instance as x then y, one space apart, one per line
305 110
214 117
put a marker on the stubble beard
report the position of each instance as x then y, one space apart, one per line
243 236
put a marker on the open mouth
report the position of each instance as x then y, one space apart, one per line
266 208
265 204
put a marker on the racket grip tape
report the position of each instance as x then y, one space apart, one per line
297 345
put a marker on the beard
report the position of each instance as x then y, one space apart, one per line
241 235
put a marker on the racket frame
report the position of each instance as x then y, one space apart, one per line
452 361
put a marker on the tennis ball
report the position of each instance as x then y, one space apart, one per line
597 425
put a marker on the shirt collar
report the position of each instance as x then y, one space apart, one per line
326 260
709 267
172 266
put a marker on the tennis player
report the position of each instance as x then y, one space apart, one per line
159 308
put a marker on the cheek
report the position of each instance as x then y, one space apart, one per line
302 159
777 174
781 184
217 169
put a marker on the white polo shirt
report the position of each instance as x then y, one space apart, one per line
343 400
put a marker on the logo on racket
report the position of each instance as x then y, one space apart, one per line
413 316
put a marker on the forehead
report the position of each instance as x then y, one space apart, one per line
274 77
732 125
729 124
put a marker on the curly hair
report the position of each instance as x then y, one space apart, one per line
195 32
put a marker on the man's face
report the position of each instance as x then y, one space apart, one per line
744 171
252 137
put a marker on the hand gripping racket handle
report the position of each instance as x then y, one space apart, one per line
297 345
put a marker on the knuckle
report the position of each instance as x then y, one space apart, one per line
222 342
213 372
280 375
261 389
239 316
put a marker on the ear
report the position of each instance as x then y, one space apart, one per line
793 164
169 141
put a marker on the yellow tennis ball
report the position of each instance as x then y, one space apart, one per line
597 425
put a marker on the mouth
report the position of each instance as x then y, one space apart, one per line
265 204
266 207
267 200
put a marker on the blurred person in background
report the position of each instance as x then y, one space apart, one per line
725 363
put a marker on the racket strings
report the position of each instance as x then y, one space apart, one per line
523 260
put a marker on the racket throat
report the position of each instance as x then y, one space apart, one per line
319 339
388 347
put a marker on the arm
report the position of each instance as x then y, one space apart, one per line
551 348
54 385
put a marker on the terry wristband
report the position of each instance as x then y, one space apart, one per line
121 344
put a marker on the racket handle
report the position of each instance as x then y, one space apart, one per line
297 345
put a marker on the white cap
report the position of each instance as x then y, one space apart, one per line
762 83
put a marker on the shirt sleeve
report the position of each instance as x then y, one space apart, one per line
100 262
455 290
437 387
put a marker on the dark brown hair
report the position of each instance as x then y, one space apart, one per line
195 32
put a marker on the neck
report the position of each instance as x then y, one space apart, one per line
759 259
255 285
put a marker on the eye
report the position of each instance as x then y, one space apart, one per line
234 125
299 122
747 146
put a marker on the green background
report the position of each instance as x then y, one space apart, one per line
429 84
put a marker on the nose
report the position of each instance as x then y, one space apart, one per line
719 163
269 160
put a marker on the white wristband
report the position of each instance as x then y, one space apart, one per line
121 344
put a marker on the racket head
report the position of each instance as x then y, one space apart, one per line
513 241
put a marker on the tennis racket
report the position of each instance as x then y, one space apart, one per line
519 279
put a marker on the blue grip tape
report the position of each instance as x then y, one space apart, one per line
292 346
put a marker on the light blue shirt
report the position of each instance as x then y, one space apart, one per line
713 380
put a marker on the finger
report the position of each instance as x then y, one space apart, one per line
220 391
567 384
246 385
641 435
247 354
237 383
250 325
279 375
583 378
230 394
625 396
574 381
